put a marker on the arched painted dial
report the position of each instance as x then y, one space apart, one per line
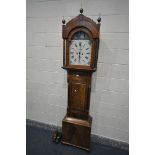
80 52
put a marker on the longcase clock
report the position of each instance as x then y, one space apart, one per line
80 54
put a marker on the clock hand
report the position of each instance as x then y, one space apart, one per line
80 52
79 56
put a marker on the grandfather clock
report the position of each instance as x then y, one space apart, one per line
80 54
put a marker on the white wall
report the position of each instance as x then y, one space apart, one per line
46 80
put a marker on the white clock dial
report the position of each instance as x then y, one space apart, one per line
80 52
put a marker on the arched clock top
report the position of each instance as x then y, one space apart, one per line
81 21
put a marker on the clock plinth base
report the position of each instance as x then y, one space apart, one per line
77 132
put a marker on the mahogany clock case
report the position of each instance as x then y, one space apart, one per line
76 125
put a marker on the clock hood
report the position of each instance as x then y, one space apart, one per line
81 21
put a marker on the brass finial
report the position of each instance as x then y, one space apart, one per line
99 18
63 20
81 10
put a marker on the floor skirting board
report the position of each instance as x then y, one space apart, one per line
94 138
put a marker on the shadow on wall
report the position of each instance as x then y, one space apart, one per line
101 82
